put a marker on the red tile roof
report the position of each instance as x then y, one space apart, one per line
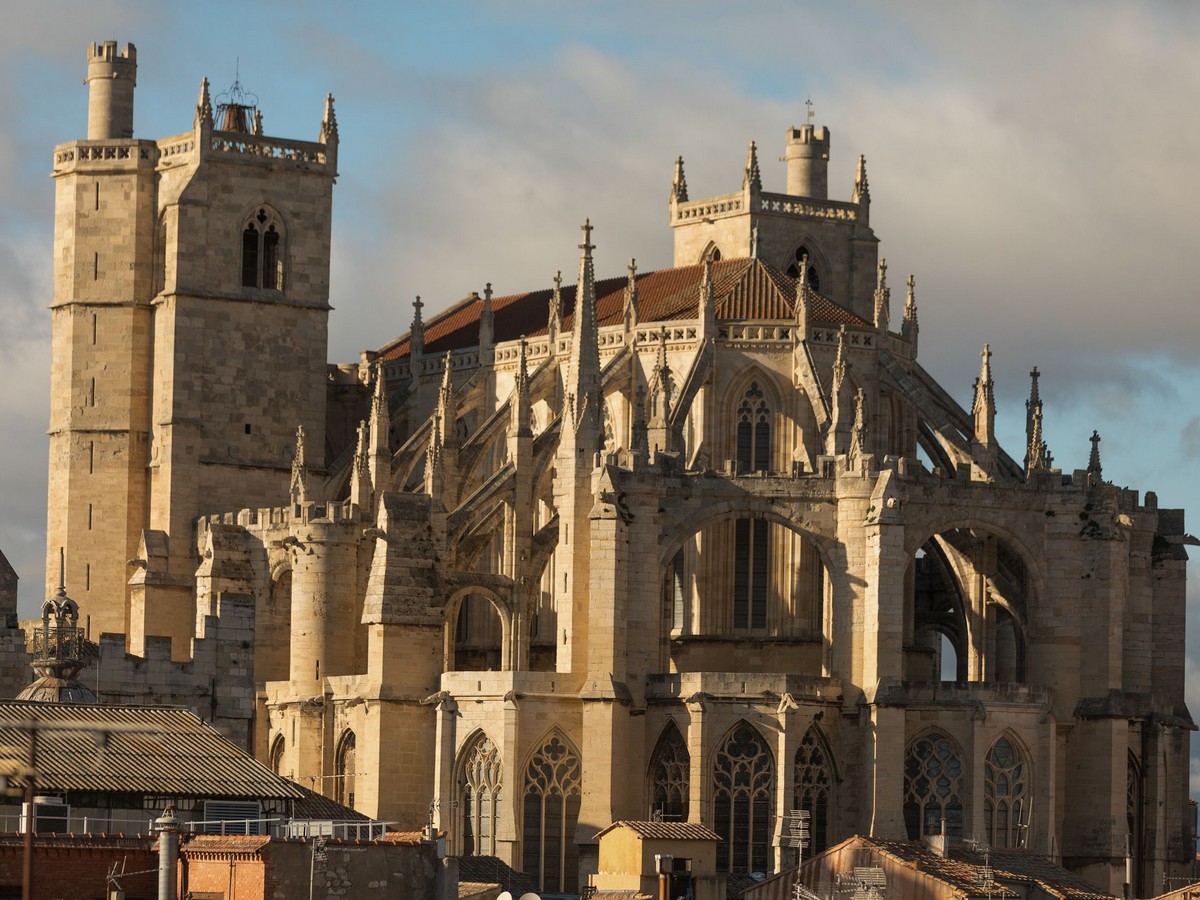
665 831
742 289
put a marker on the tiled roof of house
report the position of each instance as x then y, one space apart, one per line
493 870
312 805
742 289
665 831
134 749
1021 864
224 843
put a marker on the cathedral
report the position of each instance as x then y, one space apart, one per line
704 544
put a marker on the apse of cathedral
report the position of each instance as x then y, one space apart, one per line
703 544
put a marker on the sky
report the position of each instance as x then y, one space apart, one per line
1032 164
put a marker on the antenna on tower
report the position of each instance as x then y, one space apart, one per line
811 115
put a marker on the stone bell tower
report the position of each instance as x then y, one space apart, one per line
191 302
104 215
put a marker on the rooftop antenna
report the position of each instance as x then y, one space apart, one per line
811 115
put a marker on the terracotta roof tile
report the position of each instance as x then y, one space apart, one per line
225 843
742 289
146 749
665 831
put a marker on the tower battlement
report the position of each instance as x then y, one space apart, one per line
111 79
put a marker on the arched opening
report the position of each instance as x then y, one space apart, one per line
276 755
479 636
262 251
1133 816
934 787
479 797
670 768
814 780
966 603
1006 794
549 815
814 276
711 253
746 594
743 788
344 769
752 424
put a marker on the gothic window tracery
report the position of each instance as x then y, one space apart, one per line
934 787
1004 794
669 773
814 787
814 277
743 796
754 431
262 259
550 813
480 798
345 770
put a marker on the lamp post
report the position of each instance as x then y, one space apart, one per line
664 861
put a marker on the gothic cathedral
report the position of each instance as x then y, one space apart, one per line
705 544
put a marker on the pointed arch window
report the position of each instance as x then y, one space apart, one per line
344 767
814 787
753 431
262 257
276 755
743 797
814 277
934 787
670 767
550 813
1005 797
751 573
479 798
1133 815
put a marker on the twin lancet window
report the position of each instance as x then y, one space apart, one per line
262 256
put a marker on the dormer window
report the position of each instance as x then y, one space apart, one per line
262 257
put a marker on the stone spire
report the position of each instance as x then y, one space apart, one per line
834 441
708 304
1037 456
360 473
416 333
663 381
435 469
752 178
555 323
862 190
299 483
329 126
640 441
522 406
487 322
447 406
908 326
204 110
630 314
582 412
679 192
984 406
803 300
858 431
379 432
1094 458
883 298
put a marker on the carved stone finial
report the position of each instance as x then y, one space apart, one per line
555 323
1094 458
679 191
204 109
752 178
862 190
329 126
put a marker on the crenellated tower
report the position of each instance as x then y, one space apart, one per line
191 298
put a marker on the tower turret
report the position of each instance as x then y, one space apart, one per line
807 156
111 79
